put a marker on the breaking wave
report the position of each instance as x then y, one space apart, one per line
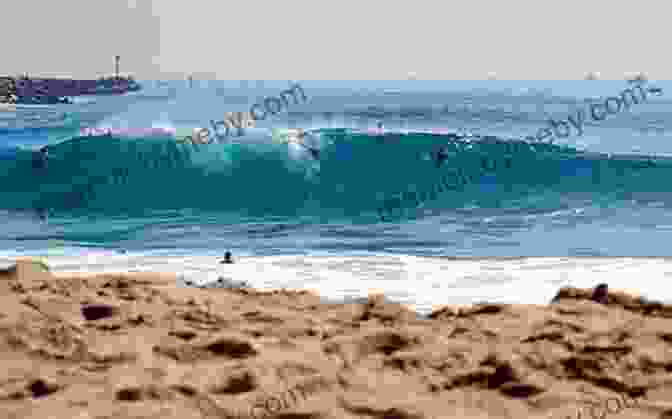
360 176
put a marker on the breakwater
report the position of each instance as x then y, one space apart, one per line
53 87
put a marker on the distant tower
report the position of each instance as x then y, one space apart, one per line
116 66
592 76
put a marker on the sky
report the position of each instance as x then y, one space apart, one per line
338 40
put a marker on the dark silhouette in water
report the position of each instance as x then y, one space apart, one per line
42 214
227 258
40 159
314 152
40 163
441 156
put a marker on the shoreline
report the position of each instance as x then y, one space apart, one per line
423 283
139 346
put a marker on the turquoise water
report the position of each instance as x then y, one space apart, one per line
605 193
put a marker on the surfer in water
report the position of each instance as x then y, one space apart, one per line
300 140
40 163
441 157
298 137
40 160
227 258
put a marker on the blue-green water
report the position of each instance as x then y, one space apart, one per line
604 193
360 178
365 209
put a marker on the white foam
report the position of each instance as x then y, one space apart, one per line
426 283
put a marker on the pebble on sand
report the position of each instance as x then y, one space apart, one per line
98 311
601 294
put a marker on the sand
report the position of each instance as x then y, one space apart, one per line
140 346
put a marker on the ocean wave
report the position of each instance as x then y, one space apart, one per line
359 175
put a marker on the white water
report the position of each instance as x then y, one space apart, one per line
422 283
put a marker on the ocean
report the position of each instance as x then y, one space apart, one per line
501 218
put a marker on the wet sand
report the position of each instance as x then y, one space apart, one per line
141 346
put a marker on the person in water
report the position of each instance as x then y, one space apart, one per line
227 258
441 156
42 213
40 160
300 139
295 136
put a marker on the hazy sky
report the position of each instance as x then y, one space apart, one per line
345 39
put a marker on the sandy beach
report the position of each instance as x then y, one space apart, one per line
141 346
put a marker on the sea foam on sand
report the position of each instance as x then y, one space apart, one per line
419 282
